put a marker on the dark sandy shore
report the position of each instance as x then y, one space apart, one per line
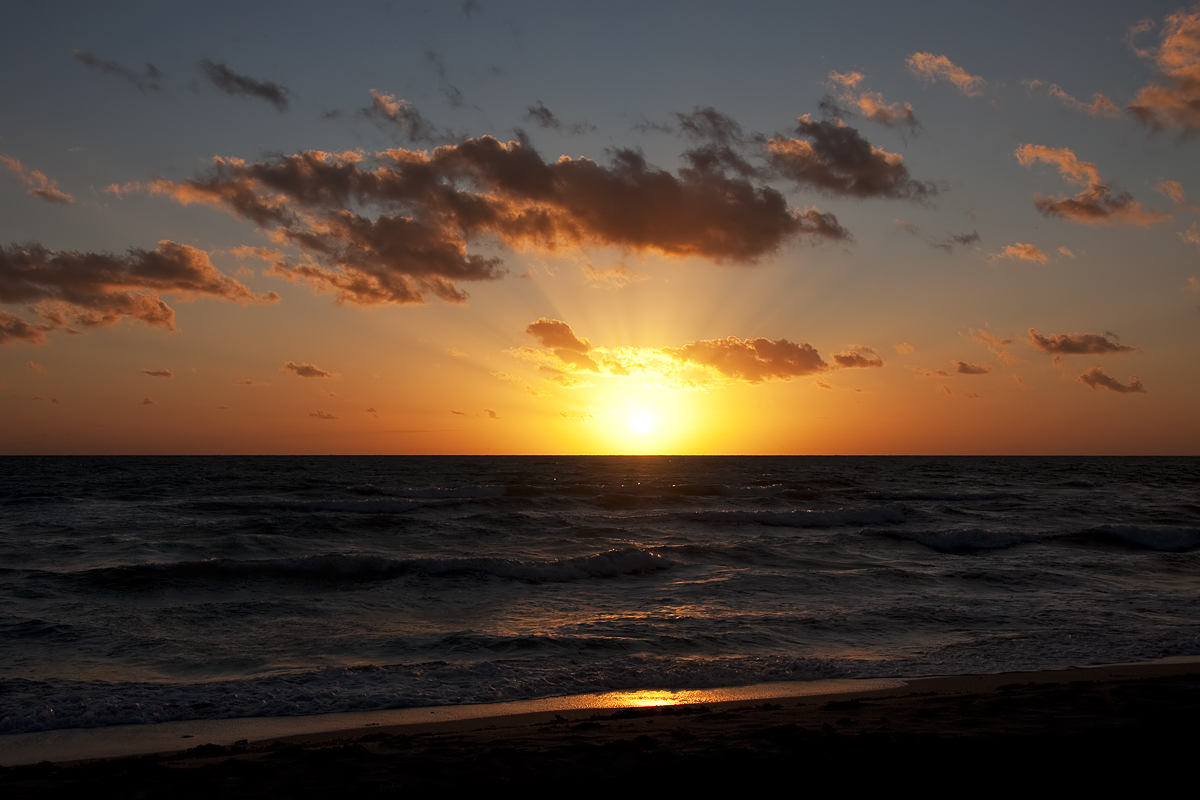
1124 727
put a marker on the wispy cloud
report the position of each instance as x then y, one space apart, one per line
1097 379
1095 204
1076 343
145 81
16 329
1101 105
963 368
545 118
870 104
1173 99
946 243
158 373
238 85
616 277
36 182
1021 252
929 68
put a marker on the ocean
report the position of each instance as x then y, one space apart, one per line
140 589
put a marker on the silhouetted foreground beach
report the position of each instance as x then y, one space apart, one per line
1098 727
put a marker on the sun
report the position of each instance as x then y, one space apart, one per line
641 422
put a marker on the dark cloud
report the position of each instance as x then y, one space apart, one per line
963 368
99 289
232 83
1096 204
398 229
492 414
146 401
556 334
305 370
834 158
159 373
1076 344
1096 379
752 360
458 413
15 329
721 145
945 244
406 120
644 125
858 356
321 415
36 182
146 80
1173 100
545 118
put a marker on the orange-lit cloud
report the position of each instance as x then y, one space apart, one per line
36 367
904 348
1076 343
1191 235
1174 190
1066 251
158 373
930 68
1095 204
99 289
147 80
617 276
16 329
858 356
1023 252
232 83
1173 99
1096 379
305 370
36 182
835 159
871 104
321 415
995 344
1101 105
754 360
398 230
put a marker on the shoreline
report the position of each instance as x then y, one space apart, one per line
82 745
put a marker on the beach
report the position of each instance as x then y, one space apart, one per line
1078 727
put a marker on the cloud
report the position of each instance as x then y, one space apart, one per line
36 182
1096 379
858 356
1095 204
15 329
1173 99
305 370
871 104
946 244
995 344
1191 235
1101 106
1174 190
617 277
545 118
492 414
1066 251
458 413
99 289
397 229
556 334
251 382
321 415
1023 252
36 367
835 159
930 68
454 351
146 401
963 368
752 360
904 348
406 119
147 80
1075 344
232 83
159 373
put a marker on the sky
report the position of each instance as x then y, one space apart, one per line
493 227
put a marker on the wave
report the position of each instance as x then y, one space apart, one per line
1162 538
963 540
880 515
335 567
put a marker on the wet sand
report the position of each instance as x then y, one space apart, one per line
1129 726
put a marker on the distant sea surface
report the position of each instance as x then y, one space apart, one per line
153 589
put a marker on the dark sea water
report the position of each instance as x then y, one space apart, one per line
152 589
